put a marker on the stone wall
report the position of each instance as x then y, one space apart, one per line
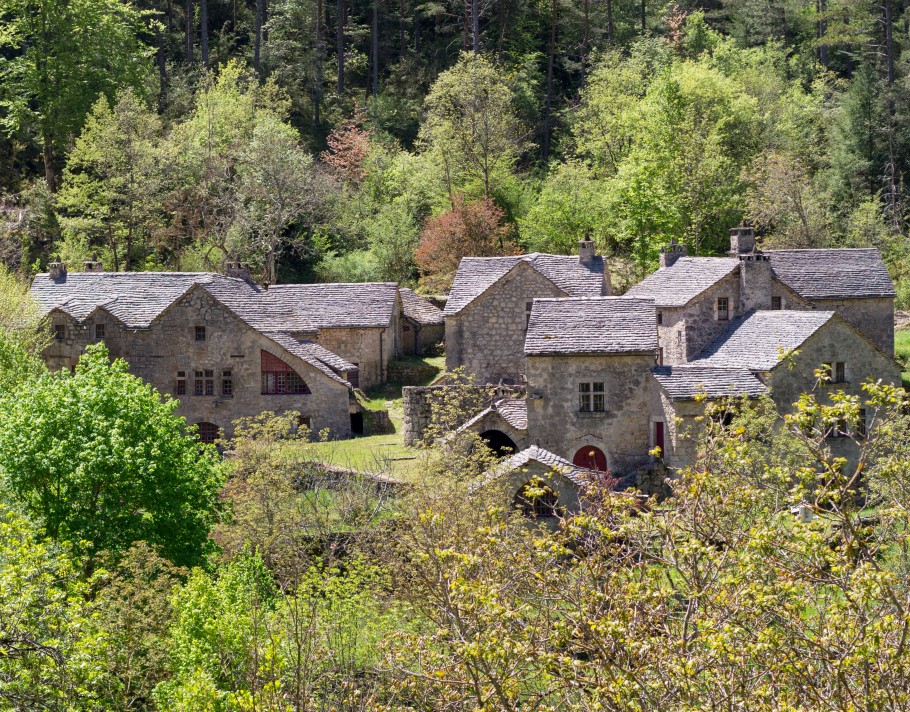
873 317
169 346
622 432
487 337
425 406
370 349
420 339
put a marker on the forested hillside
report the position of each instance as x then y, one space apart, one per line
355 140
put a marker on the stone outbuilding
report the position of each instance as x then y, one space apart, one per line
206 339
503 425
489 306
422 324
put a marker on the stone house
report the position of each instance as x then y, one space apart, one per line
489 306
422 323
209 340
357 321
590 389
697 297
503 425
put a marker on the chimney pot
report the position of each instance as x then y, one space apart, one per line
742 240
586 251
56 271
92 266
240 270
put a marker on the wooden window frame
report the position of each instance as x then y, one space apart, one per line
180 388
592 397
100 332
200 333
723 314
59 332
280 379
227 383
777 303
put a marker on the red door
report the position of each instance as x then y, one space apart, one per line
591 458
659 436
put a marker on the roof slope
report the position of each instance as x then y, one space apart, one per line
757 340
476 275
591 326
577 475
688 381
339 305
834 273
513 410
678 285
418 309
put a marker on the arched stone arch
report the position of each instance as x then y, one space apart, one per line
537 500
499 442
206 432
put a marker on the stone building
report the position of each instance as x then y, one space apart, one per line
697 297
422 324
358 321
487 312
215 342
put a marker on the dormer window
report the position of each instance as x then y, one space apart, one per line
200 333
777 303
59 332
723 309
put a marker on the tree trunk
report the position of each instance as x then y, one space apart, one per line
204 32
160 60
188 22
320 58
644 16
50 173
821 30
611 27
374 49
888 20
548 105
265 22
475 25
341 11
257 41
586 34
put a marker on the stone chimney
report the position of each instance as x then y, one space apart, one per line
56 271
586 251
672 252
241 270
742 241
92 265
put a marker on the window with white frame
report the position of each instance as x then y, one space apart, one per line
591 397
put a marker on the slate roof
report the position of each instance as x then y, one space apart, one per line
340 305
687 381
678 285
420 310
834 273
476 275
577 475
138 298
513 410
591 326
756 340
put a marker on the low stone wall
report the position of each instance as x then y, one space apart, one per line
426 406
410 373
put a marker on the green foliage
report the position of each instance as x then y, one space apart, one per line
103 462
22 334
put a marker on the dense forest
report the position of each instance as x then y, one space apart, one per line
355 140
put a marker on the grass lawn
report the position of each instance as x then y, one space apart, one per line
902 352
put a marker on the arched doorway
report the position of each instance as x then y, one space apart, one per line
207 433
590 457
499 442
537 501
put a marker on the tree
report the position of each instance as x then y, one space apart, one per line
63 55
102 460
470 125
22 337
112 183
468 229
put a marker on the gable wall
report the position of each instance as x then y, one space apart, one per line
622 432
874 317
156 354
487 337
370 349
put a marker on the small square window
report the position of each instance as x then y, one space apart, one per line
99 332
591 397
406 328
777 303
840 372
723 309
200 333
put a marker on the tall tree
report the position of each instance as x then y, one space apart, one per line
61 55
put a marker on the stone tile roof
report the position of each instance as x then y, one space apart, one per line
476 275
339 305
418 309
757 340
834 273
138 298
314 354
513 410
579 476
678 285
685 382
591 326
